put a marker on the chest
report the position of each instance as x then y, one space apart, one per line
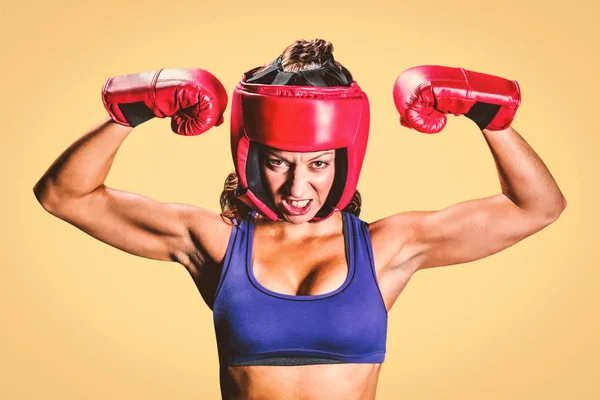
306 268
310 299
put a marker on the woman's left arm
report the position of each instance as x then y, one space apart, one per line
474 229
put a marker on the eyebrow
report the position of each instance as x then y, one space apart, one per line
271 153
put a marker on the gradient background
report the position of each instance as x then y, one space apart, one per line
82 320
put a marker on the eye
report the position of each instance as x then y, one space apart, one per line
275 162
321 164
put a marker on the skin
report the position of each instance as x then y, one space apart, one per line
298 176
73 190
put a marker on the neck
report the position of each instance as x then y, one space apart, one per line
288 231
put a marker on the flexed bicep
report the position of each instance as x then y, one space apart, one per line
136 224
471 230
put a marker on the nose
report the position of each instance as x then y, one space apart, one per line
297 183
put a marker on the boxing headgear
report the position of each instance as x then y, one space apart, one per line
309 116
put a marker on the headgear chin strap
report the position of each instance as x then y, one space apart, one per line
310 116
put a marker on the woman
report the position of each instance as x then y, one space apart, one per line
300 290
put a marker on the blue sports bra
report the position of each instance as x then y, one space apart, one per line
256 326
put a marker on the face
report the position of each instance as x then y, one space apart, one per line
298 182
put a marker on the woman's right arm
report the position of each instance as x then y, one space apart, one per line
73 190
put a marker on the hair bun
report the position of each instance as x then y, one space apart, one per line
309 53
305 55
320 49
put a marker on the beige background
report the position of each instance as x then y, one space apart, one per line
82 320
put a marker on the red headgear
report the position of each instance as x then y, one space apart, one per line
298 118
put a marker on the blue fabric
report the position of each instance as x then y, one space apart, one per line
256 326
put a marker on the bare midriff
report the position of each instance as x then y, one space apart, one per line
304 382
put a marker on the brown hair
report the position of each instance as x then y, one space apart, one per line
304 55
301 55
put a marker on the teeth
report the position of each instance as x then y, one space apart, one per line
299 204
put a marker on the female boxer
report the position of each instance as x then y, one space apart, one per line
300 287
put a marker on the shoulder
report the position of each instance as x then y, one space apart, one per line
208 237
393 239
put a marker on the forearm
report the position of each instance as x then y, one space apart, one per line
524 178
84 166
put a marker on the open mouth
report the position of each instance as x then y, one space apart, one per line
297 207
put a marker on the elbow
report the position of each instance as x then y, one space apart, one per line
562 206
556 211
38 193
45 196
41 199
548 214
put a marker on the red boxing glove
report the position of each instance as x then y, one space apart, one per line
425 94
194 98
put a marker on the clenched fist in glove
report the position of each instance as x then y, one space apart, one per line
425 94
193 98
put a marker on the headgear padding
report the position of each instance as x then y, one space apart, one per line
298 119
